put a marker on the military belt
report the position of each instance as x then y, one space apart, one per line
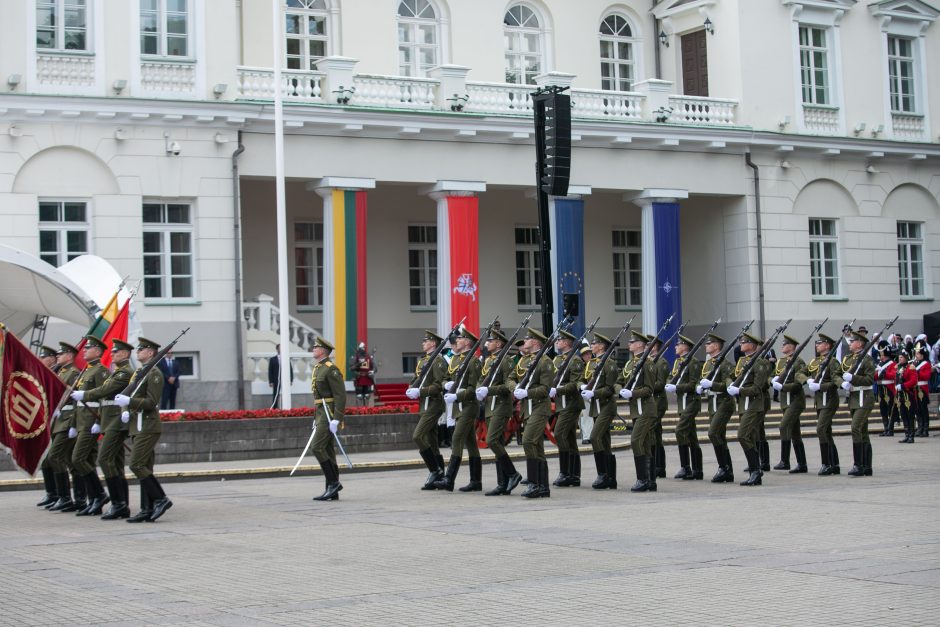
324 400
91 404
67 407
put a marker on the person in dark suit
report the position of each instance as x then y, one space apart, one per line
170 368
274 376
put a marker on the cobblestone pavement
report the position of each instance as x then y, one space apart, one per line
801 550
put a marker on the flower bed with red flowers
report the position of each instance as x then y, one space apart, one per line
251 414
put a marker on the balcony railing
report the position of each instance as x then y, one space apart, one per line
820 119
65 70
297 85
506 98
908 126
395 92
606 105
168 77
695 110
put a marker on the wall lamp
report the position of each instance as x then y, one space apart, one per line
172 148
663 39
344 94
219 89
709 26
13 80
457 102
119 85
858 128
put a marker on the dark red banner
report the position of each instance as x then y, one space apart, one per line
464 254
29 394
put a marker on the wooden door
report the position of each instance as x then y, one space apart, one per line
695 64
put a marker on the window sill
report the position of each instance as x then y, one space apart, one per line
908 114
830 299
826 107
917 299
157 58
423 309
628 308
56 52
310 309
172 302
525 308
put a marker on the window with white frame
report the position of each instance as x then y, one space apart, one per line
815 65
306 33
189 365
165 28
62 25
616 54
528 264
308 264
418 38
627 250
524 45
901 81
168 250
63 230
823 257
911 258
422 266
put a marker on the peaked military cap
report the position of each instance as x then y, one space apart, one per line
753 339
322 343
143 342
601 339
431 335
495 334
825 338
535 334
46 351
565 335
518 343
685 340
790 340
636 336
91 340
585 348
653 338
120 345
65 347
465 332
711 337
859 336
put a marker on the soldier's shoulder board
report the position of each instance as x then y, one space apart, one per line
327 363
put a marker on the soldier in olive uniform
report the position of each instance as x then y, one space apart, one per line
85 452
535 408
792 402
568 403
497 401
60 451
47 355
598 392
643 410
858 376
750 393
714 392
329 395
111 452
824 386
464 403
662 403
430 376
689 404
143 413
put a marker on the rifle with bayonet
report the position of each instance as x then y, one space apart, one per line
824 366
638 368
433 355
716 362
595 378
501 355
870 343
796 353
573 353
465 366
759 353
687 358
526 379
665 347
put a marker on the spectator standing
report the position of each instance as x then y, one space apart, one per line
170 368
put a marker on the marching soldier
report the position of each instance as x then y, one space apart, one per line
47 355
60 452
329 394
714 390
690 404
750 403
602 406
662 403
921 366
824 386
535 407
905 386
858 385
569 404
586 421
85 452
431 406
142 411
497 400
463 402
643 411
885 371
792 402
111 452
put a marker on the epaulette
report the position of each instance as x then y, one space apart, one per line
327 363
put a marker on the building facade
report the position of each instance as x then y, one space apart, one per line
120 123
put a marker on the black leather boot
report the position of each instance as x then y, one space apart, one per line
160 502
753 462
476 476
79 495
763 451
696 454
826 468
611 472
719 476
685 467
334 486
856 470
600 462
834 458
642 474
64 492
500 480
48 481
660 457
146 508
532 472
784 456
545 489
431 462
574 472
447 481
119 508
562 478
799 451
92 487
651 473
327 469
729 469
866 459
513 478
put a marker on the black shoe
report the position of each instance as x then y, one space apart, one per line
754 478
600 462
782 466
857 466
473 486
512 481
684 473
476 476
651 474
447 481
433 478
61 505
562 478
799 470
642 474
117 510
49 499
611 472
331 493
97 506
141 516
532 470
800 452
696 455
160 507
866 459
754 462
500 488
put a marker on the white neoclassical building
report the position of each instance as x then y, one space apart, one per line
794 143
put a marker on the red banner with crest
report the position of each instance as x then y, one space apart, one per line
464 260
29 394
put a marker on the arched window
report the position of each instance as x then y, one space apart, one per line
306 32
418 38
524 44
617 54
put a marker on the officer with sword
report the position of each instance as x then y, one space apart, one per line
329 393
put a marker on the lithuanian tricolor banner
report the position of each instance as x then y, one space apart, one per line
110 324
350 305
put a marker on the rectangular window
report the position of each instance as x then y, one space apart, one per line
911 258
422 266
814 65
901 75
409 362
165 28
305 33
189 365
823 257
62 25
308 264
63 230
528 275
168 250
627 268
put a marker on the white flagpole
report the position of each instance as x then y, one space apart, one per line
283 297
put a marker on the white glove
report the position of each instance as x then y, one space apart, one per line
733 390
450 399
96 428
125 417
847 386
847 377
775 380
552 392
73 432
587 394
482 393
898 387
670 388
448 385
626 394
413 393
813 386
334 425
520 393
77 396
699 390
122 401
777 385
706 384
584 386
56 414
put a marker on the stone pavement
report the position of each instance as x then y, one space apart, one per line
801 550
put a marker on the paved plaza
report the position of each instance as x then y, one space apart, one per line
801 550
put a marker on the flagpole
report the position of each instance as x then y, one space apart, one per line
283 297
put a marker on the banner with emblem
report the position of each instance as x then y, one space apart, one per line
668 268
462 214
568 254
29 394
